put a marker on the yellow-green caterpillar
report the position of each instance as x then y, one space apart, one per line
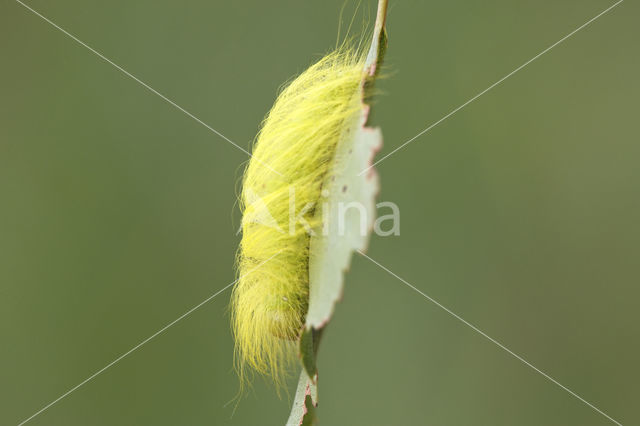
292 155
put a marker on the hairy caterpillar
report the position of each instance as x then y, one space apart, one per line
292 155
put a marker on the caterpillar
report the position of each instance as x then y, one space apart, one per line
292 154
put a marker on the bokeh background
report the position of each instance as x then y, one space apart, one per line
520 213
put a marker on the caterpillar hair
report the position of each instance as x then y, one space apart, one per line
291 156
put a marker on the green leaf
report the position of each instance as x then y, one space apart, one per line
308 346
331 251
305 402
346 185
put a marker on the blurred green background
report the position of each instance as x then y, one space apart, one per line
520 213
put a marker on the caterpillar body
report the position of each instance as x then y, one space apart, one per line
291 157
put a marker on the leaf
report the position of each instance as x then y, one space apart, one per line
308 348
305 401
330 252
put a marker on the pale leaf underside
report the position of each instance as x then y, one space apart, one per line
331 252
